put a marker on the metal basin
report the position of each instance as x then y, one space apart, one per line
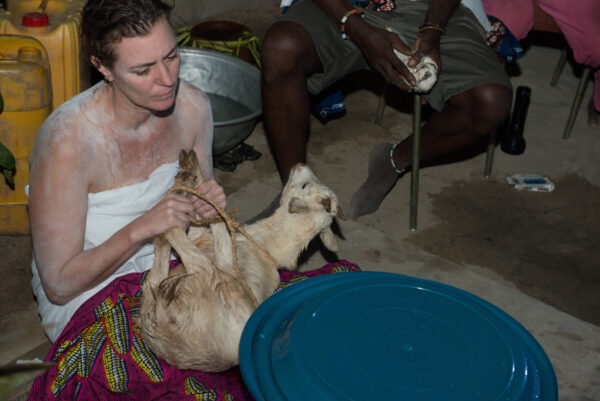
233 87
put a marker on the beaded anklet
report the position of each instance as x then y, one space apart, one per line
392 160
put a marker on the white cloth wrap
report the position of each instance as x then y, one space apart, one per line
108 212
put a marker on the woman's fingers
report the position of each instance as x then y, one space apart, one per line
179 210
215 193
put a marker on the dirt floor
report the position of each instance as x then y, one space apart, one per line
540 242
535 255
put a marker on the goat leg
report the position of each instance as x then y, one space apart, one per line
222 246
160 267
193 260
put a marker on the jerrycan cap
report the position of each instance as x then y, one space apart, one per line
35 20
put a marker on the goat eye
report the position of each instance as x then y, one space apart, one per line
304 185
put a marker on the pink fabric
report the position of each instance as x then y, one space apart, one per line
578 20
101 354
517 15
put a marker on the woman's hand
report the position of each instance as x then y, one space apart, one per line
172 211
215 193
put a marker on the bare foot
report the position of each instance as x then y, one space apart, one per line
380 180
593 115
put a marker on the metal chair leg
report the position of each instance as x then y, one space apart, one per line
577 102
559 67
381 105
489 157
414 168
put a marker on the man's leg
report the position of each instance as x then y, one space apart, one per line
288 58
466 118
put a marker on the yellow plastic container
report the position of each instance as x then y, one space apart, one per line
70 71
27 93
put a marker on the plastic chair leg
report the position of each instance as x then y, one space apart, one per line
414 168
559 67
577 102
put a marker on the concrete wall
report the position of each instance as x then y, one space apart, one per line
256 14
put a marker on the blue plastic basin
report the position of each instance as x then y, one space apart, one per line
381 336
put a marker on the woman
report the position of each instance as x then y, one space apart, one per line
101 166
100 170
102 162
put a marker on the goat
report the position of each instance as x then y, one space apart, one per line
193 316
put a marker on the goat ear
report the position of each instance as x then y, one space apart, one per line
193 157
182 157
329 240
339 213
297 205
326 202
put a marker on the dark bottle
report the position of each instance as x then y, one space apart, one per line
513 142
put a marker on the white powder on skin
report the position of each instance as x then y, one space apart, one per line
110 137
103 157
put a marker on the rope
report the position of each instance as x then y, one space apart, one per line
232 226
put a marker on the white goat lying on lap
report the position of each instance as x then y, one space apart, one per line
193 315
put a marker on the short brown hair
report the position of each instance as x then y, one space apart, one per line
105 22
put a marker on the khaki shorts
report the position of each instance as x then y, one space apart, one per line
467 61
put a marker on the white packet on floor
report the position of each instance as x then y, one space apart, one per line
531 182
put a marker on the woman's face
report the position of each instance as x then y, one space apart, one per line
146 70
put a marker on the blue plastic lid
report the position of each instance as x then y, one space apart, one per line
374 336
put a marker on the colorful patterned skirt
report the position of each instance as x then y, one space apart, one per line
101 354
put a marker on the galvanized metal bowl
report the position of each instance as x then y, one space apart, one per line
233 87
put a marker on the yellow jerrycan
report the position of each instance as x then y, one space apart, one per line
55 23
26 90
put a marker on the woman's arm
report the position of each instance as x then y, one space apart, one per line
60 178
199 118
